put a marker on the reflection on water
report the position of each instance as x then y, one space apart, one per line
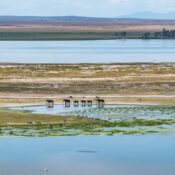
99 155
57 109
108 112
88 51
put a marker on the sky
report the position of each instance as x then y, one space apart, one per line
96 8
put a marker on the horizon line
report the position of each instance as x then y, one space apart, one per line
95 17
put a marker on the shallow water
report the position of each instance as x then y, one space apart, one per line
108 112
95 155
103 51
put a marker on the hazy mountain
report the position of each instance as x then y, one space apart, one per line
137 18
70 20
151 15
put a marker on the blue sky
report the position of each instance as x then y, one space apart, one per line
99 8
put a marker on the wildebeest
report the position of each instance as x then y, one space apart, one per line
76 103
89 102
50 103
67 102
83 102
100 102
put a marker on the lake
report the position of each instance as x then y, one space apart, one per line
103 51
94 155
149 152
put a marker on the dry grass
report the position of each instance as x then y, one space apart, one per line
10 118
79 28
32 84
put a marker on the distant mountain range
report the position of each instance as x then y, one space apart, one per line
151 15
141 18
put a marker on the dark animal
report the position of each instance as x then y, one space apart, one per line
67 102
100 102
76 103
89 102
50 103
83 102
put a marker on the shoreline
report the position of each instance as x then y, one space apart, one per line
110 100
59 104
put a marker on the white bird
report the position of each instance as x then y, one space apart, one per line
46 171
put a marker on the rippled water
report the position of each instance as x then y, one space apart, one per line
108 112
103 51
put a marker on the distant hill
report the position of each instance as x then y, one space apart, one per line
83 20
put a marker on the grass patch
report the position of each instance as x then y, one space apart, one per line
14 123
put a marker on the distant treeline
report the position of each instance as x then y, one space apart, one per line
164 34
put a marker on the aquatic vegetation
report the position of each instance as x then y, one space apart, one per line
125 112
120 119
91 128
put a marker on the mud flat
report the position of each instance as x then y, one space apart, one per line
32 84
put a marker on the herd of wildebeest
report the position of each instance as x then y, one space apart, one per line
83 102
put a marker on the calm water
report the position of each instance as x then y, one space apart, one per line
87 51
94 155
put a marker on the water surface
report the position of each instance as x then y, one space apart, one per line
137 154
103 51
108 112
95 155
